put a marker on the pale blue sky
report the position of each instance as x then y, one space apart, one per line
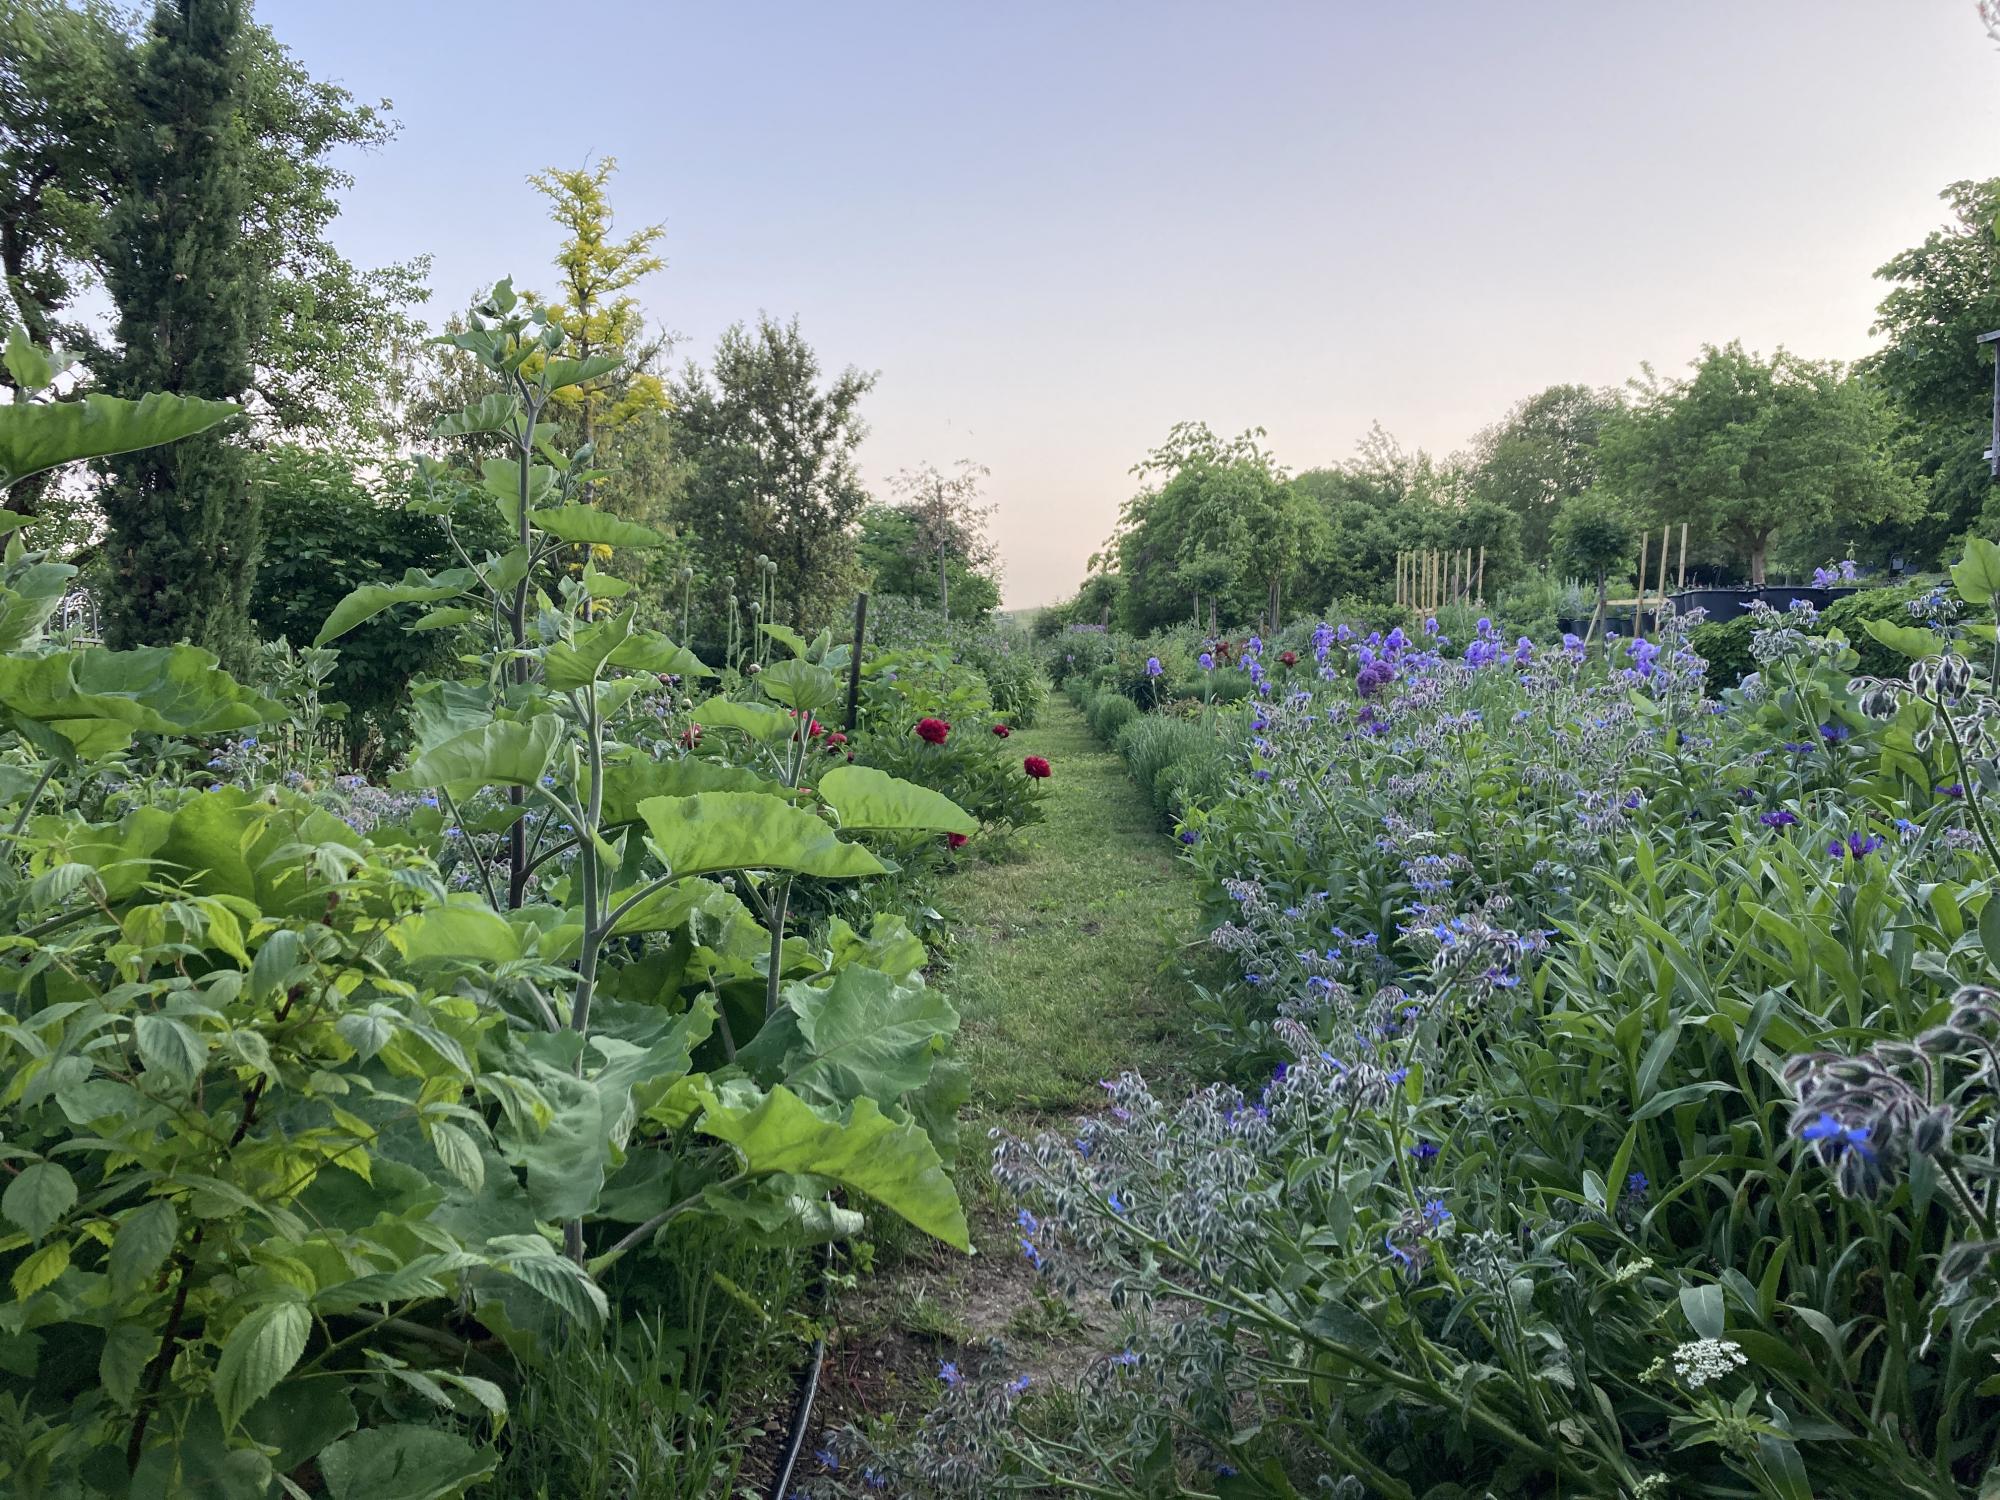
1055 229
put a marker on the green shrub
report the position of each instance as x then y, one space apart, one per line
1725 646
1110 712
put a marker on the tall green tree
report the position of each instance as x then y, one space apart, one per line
183 542
1746 450
1542 454
1942 295
934 545
1215 527
768 449
329 350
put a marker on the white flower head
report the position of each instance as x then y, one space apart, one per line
1703 1360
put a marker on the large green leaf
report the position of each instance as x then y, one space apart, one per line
558 374
368 601
1977 574
630 782
494 412
649 651
587 525
1912 641
715 831
28 596
872 800
231 842
760 721
800 685
404 1462
96 699
568 665
40 435
506 752
895 1164
862 1035
567 1162
471 933
502 480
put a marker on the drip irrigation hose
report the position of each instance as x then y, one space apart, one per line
807 1394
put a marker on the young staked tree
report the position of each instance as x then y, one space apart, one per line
947 522
182 547
1592 535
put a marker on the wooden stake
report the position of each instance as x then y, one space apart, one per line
1681 577
1639 604
1480 587
1661 608
854 663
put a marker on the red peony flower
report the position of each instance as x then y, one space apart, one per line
956 840
1036 767
1289 658
834 741
1002 730
691 736
932 731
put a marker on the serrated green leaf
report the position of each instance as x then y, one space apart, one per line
459 1154
39 1194
404 1462
144 1239
170 1048
259 1352
41 1269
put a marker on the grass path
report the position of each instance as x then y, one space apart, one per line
1065 968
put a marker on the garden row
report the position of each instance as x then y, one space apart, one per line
1609 1086
382 1139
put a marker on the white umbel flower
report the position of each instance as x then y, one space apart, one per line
1703 1360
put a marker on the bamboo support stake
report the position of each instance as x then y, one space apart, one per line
1639 604
1479 588
1681 577
1660 609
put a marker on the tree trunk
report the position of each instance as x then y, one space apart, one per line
1758 548
1603 604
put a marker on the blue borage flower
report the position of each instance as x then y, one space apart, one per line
948 1373
1834 1138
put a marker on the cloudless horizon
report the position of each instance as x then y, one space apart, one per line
1056 230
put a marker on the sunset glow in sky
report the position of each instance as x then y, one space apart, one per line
1055 229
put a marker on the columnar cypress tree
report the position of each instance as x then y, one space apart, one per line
183 543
